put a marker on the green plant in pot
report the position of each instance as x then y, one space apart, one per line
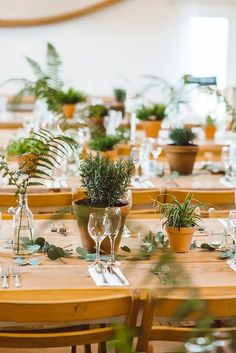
180 222
105 144
210 127
68 99
105 183
47 155
95 115
120 97
152 116
181 154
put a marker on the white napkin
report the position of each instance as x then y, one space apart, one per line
232 265
112 280
227 183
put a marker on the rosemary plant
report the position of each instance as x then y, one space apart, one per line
182 136
105 181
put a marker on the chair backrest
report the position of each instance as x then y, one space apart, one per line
166 307
70 307
40 202
220 199
143 200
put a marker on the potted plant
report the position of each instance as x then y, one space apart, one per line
210 128
24 149
180 223
68 99
152 116
49 149
95 114
181 154
120 97
105 144
105 183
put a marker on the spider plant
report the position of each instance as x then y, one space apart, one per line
180 215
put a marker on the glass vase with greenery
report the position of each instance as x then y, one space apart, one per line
50 149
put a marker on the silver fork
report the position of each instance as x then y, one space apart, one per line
16 275
5 275
165 269
113 272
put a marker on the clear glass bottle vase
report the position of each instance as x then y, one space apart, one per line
23 226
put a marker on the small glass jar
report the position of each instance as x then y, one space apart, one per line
23 226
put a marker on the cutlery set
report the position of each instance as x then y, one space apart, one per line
112 271
5 273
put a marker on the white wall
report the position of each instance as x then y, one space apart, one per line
130 39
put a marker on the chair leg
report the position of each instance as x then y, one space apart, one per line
87 348
102 348
73 349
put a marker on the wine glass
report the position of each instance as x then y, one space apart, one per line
232 230
225 157
156 151
97 230
112 229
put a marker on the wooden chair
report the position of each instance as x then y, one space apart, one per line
143 200
49 202
62 313
218 199
166 307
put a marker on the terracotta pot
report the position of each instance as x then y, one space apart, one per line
124 149
180 239
152 128
97 123
181 158
68 110
82 213
26 157
210 131
112 154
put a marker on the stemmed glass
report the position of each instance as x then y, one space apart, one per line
232 230
97 230
112 229
136 154
225 157
156 151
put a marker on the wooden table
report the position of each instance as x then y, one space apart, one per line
205 270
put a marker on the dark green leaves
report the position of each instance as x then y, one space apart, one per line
182 136
180 215
104 180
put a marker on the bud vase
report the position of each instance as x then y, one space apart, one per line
23 226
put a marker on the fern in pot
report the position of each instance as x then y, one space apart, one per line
105 183
68 99
50 149
152 117
182 152
180 221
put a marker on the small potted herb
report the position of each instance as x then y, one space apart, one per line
95 114
180 223
210 127
182 152
105 144
120 97
105 183
23 148
152 117
68 99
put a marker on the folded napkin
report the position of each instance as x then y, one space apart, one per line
232 264
227 183
112 280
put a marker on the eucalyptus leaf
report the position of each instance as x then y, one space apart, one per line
82 252
33 261
125 248
33 248
206 246
226 254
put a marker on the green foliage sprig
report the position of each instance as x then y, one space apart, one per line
153 112
105 181
104 143
71 96
97 110
53 252
23 145
210 120
180 215
182 136
119 94
32 172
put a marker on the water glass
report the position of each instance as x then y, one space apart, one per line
97 230
216 238
112 230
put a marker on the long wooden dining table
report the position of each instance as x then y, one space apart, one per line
207 273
